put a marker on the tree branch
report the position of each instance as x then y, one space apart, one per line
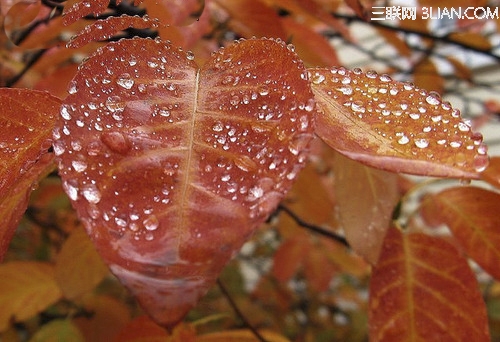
313 227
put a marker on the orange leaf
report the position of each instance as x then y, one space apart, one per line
472 215
79 268
422 289
241 336
426 76
471 39
109 317
492 172
289 257
253 18
142 329
26 288
366 198
311 46
171 168
394 126
461 70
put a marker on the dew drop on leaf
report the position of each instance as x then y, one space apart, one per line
91 193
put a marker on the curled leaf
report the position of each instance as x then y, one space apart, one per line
171 167
394 126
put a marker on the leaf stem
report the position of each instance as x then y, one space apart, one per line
238 312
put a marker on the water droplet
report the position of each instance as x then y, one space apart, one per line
151 223
403 140
421 142
309 105
415 116
114 103
371 74
91 193
71 190
255 193
218 127
58 147
385 78
263 90
357 106
120 222
190 55
317 78
480 163
72 87
346 90
125 81
463 127
65 112
394 91
79 165
433 99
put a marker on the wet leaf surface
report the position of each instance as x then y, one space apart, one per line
422 289
394 126
171 168
27 118
471 213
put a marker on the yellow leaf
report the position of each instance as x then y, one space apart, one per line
79 268
26 288
58 331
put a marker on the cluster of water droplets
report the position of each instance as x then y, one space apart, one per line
415 121
114 127
259 123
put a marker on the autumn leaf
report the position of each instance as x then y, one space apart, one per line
27 117
426 76
366 198
492 172
142 329
109 317
241 336
394 126
81 8
79 268
58 330
26 289
471 213
171 168
422 289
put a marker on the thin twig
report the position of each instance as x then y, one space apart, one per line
313 227
238 312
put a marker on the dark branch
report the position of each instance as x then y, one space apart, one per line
314 228
238 312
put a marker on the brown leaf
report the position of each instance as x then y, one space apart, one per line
288 258
422 289
394 126
171 168
79 268
366 198
472 215
82 8
426 76
253 18
461 70
26 289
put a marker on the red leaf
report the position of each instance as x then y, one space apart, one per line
422 289
27 117
171 168
472 215
85 7
394 126
492 173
